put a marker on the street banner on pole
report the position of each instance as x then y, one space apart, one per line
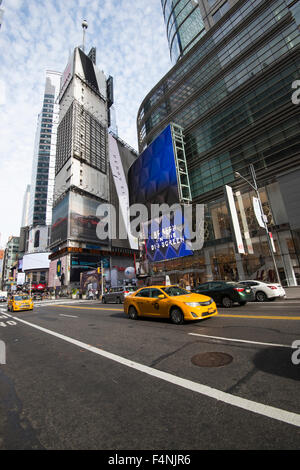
272 241
235 220
257 210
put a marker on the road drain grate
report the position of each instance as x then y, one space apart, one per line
212 359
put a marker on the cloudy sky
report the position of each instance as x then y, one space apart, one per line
38 35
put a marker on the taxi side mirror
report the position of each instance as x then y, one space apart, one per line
161 296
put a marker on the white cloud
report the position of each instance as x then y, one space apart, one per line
38 35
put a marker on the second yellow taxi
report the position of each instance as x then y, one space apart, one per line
169 302
19 302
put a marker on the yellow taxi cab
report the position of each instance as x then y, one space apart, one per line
19 302
171 302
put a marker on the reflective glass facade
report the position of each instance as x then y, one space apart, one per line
184 25
42 180
231 93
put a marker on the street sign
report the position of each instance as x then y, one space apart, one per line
58 268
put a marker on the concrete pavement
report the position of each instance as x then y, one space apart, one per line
60 390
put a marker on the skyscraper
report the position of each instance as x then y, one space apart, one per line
42 180
82 172
231 93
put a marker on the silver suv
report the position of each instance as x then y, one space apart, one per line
116 295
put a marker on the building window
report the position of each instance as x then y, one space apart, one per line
37 239
221 11
295 9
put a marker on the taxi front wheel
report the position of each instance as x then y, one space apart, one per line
132 313
176 316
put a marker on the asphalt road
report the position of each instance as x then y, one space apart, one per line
83 376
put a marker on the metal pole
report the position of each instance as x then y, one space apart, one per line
84 28
264 221
102 274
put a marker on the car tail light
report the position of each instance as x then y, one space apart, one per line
239 289
272 287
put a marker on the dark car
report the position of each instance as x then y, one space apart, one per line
3 298
37 297
117 294
226 293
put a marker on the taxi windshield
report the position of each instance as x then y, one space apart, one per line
173 291
21 297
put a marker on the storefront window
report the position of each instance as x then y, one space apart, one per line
220 221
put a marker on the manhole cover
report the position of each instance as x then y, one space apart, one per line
212 359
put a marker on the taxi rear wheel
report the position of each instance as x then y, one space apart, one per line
176 316
132 313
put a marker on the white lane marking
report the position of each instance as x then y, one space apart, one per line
11 323
45 303
5 317
70 316
248 405
233 340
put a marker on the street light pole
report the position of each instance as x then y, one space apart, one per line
255 188
102 274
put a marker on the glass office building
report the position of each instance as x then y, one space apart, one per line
232 95
42 179
184 25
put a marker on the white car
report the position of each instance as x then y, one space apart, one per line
265 290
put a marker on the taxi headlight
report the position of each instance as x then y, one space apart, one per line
200 304
208 302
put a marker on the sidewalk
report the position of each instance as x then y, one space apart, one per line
292 292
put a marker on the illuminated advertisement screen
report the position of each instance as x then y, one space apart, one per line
152 178
83 219
81 264
59 229
166 239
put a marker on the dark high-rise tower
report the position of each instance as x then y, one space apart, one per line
42 179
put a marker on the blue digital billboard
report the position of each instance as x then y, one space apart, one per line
152 178
167 237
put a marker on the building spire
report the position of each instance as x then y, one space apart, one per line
84 28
